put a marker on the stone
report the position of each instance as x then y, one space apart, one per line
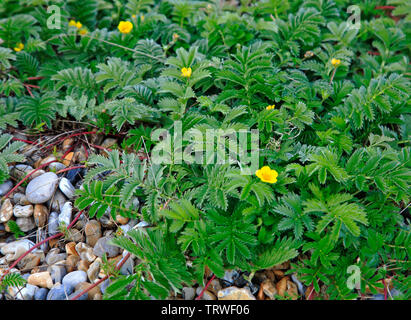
102 246
41 294
71 248
67 188
21 199
41 279
30 261
104 285
67 143
234 293
121 220
84 296
57 201
40 162
5 187
188 293
41 188
71 262
57 272
94 270
75 235
59 292
215 286
23 211
6 211
56 166
207 295
41 214
92 293
19 171
54 256
68 159
26 224
65 214
15 249
300 286
41 234
83 265
27 293
128 267
53 226
93 232
74 278
269 289
281 286
85 252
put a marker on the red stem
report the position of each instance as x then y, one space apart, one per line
122 262
71 168
385 289
26 177
205 288
39 244
70 136
25 141
35 78
385 7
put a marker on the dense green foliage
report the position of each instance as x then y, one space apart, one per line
339 135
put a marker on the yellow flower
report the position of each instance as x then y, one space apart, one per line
83 32
270 107
19 47
266 174
125 26
335 62
142 17
186 72
133 16
175 37
78 25
72 23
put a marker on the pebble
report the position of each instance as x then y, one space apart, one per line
41 214
269 289
40 294
102 246
128 267
83 265
53 223
41 188
41 234
188 293
30 261
19 171
65 214
26 224
67 188
21 199
56 166
15 249
6 211
57 201
85 252
94 270
57 272
121 220
234 293
74 278
67 159
27 293
5 187
93 294
54 256
41 279
298 283
59 292
93 232
23 211
71 262
71 248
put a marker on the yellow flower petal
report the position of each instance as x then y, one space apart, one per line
186 72
83 32
266 174
78 25
125 26
19 47
335 62
72 23
270 107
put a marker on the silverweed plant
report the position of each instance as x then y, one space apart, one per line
331 103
